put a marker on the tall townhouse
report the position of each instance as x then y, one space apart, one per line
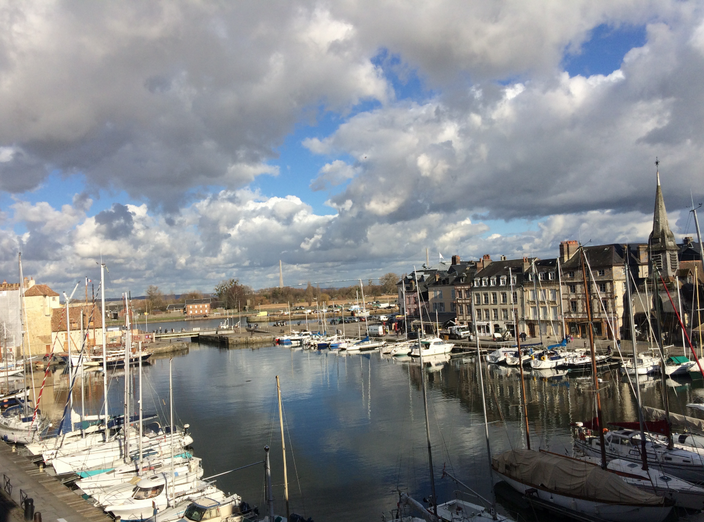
606 279
497 290
542 297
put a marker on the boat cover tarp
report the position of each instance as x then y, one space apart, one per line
689 423
570 477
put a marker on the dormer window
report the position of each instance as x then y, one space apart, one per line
570 273
551 276
476 281
493 281
485 281
503 280
541 276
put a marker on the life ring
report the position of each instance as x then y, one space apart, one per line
543 358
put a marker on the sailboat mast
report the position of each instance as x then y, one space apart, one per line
480 370
663 375
537 304
425 404
587 299
562 304
105 364
520 362
269 492
24 356
643 454
283 447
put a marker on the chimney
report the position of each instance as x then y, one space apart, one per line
568 249
484 262
455 260
503 258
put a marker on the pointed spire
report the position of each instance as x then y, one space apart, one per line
663 248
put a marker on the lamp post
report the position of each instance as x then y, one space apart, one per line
146 321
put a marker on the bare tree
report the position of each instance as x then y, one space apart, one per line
388 283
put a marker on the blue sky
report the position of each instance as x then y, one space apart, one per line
200 132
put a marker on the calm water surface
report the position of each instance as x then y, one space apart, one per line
355 424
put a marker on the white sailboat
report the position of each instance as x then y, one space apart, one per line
574 487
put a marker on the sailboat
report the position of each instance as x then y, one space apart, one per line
574 487
455 509
21 424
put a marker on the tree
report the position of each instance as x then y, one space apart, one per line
193 294
232 294
155 299
388 283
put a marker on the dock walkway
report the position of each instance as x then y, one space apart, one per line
22 479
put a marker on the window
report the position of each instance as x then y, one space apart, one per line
573 306
486 298
573 289
504 314
478 299
553 311
493 281
496 314
600 272
486 315
485 281
494 298
602 287
551 276
543 312
515 298
504 298
476 281
543 295
531 295
452 294
513 280
533 312
453 308
541 276
438 294
438 307
570 273
605 304
503 280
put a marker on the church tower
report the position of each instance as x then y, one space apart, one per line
661 243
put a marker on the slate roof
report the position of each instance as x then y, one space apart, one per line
598 256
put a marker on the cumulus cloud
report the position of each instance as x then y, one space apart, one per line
177 110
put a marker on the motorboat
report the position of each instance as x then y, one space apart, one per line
678 365
433 346
625 444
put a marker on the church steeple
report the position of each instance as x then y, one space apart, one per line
661 243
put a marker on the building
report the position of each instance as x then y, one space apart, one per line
85 327
605 274
497 290
661 243
197 307
40 301
542 294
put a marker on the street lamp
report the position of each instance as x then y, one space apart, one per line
146 321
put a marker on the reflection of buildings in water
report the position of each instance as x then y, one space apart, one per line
88 384
497 370
553 374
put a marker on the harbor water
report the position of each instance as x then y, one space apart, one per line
355 425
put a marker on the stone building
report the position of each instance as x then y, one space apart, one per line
497 289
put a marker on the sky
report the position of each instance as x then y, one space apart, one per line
184 143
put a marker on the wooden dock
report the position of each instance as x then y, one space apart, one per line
21 479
